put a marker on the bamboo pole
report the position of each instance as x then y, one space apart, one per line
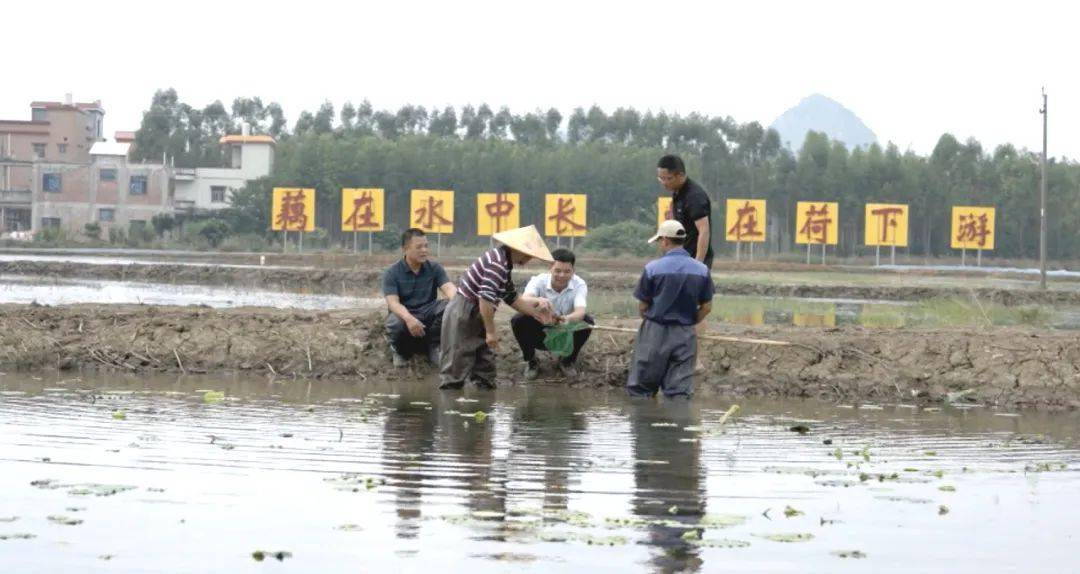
720 338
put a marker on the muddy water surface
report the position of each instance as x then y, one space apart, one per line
204 474
48 291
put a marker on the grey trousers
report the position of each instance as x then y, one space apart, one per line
402 340
663 360
465 354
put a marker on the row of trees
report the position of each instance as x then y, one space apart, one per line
611 157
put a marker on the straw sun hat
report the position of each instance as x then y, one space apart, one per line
526 240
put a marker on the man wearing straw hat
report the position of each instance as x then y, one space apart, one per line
674 294
469 337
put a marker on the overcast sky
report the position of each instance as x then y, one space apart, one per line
910 70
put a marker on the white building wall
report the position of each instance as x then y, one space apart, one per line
256 160
199 191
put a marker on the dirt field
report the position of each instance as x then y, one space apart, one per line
1002 367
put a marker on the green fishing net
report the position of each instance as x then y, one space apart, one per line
559 339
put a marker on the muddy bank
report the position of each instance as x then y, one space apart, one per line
351 281
366 280
1004 367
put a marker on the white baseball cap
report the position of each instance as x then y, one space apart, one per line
671 229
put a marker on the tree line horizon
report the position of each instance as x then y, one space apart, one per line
611 157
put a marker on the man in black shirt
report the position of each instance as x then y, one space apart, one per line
690 206
411 287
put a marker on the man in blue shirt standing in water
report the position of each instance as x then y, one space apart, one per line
674 294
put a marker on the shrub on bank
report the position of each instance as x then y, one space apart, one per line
51 236
625 237
247 242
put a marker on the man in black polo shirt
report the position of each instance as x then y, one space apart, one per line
691 207
411 287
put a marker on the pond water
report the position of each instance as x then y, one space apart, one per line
49 291
108 258
817 312
203 474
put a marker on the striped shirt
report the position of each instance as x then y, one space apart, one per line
488 278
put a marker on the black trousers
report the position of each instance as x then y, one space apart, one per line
402 340
530 336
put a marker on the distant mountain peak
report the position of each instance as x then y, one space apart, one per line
821 113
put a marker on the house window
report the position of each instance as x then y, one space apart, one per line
106 214
217 193
50 223
107 174
37 114
62 148
138 185
50 182
39 150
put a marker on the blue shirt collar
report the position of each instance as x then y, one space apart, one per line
677 252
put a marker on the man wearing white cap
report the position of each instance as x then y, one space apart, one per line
674 294
468 327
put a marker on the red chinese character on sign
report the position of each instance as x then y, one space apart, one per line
499 209
888 216
292 215
563 217
746 226
973 229
362 216
816 228
430 215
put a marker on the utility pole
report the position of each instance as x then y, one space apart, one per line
1042 204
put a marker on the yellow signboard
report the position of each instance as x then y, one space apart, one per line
663 210
564 215
973 228
497 212
432 210
362 209
814 319
293 209
817 222
745 221
752 318
886 225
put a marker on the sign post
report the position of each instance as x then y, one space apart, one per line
433 211
292 209
565 215
497 212
362 209
886 225
818 223
745 221
973 228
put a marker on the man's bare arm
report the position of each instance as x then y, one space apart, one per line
702 238
702 312
642 307
578 314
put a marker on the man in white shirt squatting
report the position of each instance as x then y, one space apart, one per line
567 293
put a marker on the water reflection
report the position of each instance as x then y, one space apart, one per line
408 444
545 432
673 491
549 478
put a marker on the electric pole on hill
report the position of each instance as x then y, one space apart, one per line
1042 204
